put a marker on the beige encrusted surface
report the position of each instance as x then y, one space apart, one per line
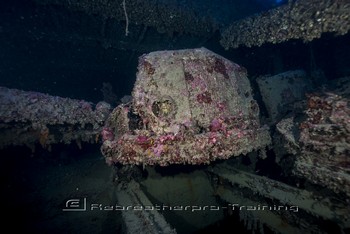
190 106
28 118
300 19
139 214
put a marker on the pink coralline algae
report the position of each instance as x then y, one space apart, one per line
107 134
158 150
191 106
221 68
167 137
222 106
141 140
216 125
213 138
204 97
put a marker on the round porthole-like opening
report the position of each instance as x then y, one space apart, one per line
163 108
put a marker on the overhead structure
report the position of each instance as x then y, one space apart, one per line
299 19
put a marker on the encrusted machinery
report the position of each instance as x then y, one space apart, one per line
189 107
300 19
28 118
317 139
325 142
314 133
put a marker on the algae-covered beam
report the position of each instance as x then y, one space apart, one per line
286 195
28 118
299 19
139 214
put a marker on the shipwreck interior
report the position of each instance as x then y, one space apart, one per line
174 116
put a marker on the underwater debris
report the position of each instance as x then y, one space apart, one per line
300 19
189 107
